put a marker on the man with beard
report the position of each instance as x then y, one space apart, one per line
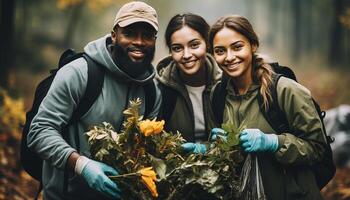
125 55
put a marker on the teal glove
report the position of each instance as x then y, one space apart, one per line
95 174
218 132
196 148
254 140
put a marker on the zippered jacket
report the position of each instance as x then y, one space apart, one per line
286 174
182 116
46 135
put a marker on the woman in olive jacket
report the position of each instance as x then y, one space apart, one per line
284 159
186 79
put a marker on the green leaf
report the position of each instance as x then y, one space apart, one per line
159 166
102 136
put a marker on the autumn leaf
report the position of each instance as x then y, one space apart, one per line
148 177
148 127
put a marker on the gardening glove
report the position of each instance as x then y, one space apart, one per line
218 132
254 140
95 174
196 148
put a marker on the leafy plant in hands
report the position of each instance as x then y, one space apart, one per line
147 157
211 175
140 152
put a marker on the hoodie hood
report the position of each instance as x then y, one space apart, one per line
99 52
169 75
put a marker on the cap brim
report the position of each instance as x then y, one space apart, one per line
134 20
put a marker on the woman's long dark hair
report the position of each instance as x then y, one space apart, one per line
191 20
262 72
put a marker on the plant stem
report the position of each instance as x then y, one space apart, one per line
124 175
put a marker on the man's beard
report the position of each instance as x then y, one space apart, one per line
133 69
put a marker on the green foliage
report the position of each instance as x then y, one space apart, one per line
142 144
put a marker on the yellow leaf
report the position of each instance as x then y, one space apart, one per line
148 177
148 127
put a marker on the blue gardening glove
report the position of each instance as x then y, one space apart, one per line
254 140
196 148
96 175
218 132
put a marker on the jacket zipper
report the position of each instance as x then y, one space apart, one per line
206 112
240 98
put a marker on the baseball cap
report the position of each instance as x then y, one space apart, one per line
136 11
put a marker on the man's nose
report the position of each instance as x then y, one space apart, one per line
138 40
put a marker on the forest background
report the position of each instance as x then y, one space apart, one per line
310 36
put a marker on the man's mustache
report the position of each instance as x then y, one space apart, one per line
134 48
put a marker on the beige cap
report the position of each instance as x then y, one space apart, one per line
136 11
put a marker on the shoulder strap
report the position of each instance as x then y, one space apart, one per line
274 115
150 97
169 98
219 99
96 75
283 70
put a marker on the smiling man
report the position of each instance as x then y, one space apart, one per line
125 56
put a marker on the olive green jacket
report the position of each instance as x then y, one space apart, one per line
285 173
182 117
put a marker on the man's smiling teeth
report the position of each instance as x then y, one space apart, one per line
137 53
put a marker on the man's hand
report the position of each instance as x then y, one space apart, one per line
254 140
96 175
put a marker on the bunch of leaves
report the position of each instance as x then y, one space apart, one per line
209 176
141 147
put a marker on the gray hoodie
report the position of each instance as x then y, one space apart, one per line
45 136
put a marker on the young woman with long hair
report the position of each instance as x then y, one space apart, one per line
186 78
284 158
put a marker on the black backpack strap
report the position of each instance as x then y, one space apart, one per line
219 99
169 98
150 97
283 70
274 115
96 75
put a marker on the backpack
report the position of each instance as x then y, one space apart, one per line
323 170
30 161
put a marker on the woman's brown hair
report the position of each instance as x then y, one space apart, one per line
262 71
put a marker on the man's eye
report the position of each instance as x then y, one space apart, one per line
149 35
126 34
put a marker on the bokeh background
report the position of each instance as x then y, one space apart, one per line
310 36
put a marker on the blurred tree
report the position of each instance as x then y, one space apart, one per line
75 8
345 18
296 4
6 39
339 50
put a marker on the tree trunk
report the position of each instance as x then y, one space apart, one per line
72 24
337 49
297 29
6 40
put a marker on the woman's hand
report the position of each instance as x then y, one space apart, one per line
254 140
